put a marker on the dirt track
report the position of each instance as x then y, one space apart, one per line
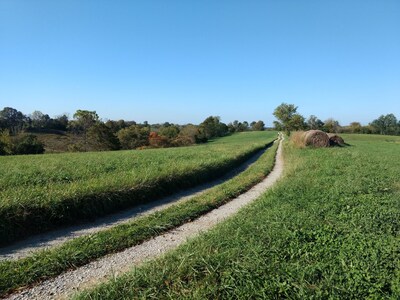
56 237
112 265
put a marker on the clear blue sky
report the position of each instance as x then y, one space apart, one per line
181 61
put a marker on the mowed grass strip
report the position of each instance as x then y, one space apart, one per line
49 263
38 193
328 230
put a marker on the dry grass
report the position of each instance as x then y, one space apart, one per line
297 139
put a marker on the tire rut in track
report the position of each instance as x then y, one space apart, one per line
113 265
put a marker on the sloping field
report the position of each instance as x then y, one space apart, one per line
41 192
329 229
48 263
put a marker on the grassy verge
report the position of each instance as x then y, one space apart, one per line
38 193
328 230
48 263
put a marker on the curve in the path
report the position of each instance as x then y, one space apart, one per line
54 238
110 266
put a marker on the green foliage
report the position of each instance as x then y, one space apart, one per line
332 126
12 119
258 126
386 124
79 251
85 118
134 136
355 127
170 132
189 135
288 118
39 120
314 123
102 138
6 146
212 127
328 230
27 144
297 122
237 126
42 192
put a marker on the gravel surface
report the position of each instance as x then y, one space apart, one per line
113 265
54 238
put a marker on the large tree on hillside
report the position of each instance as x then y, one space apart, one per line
84 119
39 119
12 119
288 118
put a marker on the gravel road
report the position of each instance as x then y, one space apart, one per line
113 265
54 238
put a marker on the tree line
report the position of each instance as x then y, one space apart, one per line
288 119
18 132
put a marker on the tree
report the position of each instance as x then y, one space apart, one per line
288 118
258 126
297 122
332 126
84 119
6 146
314 123
12 119
212 127
134 136
169 131
158 141
116 126
386 124
189 135
102 138
59 122
355 127
39 120
28 144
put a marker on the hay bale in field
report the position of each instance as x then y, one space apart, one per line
316 138
335 140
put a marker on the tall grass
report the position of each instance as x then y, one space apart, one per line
79 251
328 230
41 192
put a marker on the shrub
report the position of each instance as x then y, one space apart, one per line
28 144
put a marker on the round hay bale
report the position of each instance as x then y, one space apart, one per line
335 140
316 138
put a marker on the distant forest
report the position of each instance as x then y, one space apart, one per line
38 132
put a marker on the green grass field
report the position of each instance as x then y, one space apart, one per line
41 192
51 262
328 230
